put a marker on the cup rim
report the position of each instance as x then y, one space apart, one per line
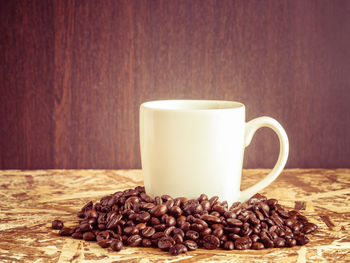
192 105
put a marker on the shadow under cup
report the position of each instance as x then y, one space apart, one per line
190 147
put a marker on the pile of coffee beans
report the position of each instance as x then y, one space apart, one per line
133 218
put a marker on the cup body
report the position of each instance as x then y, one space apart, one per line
190 147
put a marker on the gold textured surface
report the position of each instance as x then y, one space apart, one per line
30 200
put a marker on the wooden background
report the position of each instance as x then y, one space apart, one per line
73 74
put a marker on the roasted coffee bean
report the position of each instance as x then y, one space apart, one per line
112 223
131 230
143 216
255 238
140 226
65 231
158 235
134 240
57 224
257 245
230 214
148 231
233 237
145 197
192 235
264 208
175 211
185 226
154 221
268 243
234 222
166 198
178 238
205 205
308 228
169 204
91 213
104 243
158 210
178 249
158 200
170 221
211 242
178 231
191 245
116 245
89 236
243 243
146 242
165 243
169 230
211 218
301 240
229 245
290 242
180 220
279 242
77 235
219 208
213 200
215 213
160 227
197 227
205 232
218 232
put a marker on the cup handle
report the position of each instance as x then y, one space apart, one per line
251 127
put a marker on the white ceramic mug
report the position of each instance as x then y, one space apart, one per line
190 147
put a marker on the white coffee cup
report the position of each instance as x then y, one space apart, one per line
190 147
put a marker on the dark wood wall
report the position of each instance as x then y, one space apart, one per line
73 74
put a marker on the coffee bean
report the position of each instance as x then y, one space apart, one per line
148 231
140 226
234 222
158 235
145 197
134 240
57 224
179 231
218 232
178 238
160 227
169 230
143 216
211 242
177 249
131 230
154 221
301 240
89 236
197 227
308 228
243 243
290 242
191 245
192 235
65 231
170 221
279 242
146 242
158 210
229 245
116 245
77 235
165 243
185 226
104 243
175 211
211 218
257 245
255 238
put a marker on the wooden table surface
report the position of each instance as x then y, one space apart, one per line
30 200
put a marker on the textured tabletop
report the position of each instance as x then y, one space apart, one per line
30 200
